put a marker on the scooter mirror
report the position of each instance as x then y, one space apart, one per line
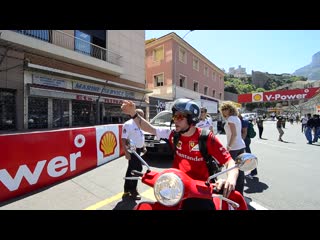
130 145
246 162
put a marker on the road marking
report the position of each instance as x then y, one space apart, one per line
278 146
150 196
256 206
104 202
147 194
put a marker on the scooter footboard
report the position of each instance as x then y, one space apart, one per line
153 206
234 196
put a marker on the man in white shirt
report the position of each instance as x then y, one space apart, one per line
205 121
130 130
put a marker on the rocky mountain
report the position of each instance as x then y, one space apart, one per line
311 71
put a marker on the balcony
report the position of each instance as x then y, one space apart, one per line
60 45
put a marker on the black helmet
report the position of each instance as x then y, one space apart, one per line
188 107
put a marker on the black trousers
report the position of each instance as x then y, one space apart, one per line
133 164
240 179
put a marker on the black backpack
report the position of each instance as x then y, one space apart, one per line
213 166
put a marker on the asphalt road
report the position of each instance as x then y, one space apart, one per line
288 174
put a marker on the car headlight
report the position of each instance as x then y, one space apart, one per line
168 189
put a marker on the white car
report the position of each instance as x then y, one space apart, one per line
159 146
248 116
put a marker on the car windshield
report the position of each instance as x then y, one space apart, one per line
162 119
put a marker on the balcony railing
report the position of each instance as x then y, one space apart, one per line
68 41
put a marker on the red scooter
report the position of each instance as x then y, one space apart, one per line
172 186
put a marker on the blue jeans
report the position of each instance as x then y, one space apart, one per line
308 133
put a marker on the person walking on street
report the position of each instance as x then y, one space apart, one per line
235 143
304 120
205 121
279 127
260 126
247 140
316 125
130 130
187 156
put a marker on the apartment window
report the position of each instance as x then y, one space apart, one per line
158 54
158 80
195 64
206 71
82 44
182 81
213 93
205 90
182 55
213 76
44 35
91 42
196 86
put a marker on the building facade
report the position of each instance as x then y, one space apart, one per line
239 72
67 78
174 69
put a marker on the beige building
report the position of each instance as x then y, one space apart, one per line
175 69
64 78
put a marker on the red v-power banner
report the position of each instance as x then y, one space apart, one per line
282 95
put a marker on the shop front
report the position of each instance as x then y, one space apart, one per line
57 102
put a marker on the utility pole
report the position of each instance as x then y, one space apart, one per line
98 104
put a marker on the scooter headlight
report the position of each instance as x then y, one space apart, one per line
168 189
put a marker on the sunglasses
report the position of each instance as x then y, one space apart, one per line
178 117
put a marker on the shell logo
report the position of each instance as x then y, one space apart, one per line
257 97
108 143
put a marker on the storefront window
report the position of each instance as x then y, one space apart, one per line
60 113
83 113
37 112
7 109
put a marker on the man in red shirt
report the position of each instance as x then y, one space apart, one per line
187 157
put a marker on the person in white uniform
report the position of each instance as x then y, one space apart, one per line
130 130
205 121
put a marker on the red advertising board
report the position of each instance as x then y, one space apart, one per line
281 95
29 161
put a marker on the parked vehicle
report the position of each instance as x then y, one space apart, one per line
159 146
247 116
172 186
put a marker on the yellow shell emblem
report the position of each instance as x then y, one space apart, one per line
257 97
108 143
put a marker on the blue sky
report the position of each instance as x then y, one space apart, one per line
272 51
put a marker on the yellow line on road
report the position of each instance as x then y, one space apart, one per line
104 202
146 194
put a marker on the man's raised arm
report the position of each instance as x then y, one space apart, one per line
129 107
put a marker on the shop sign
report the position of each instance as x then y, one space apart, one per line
101 90
47 81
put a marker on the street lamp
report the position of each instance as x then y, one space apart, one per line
175 68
